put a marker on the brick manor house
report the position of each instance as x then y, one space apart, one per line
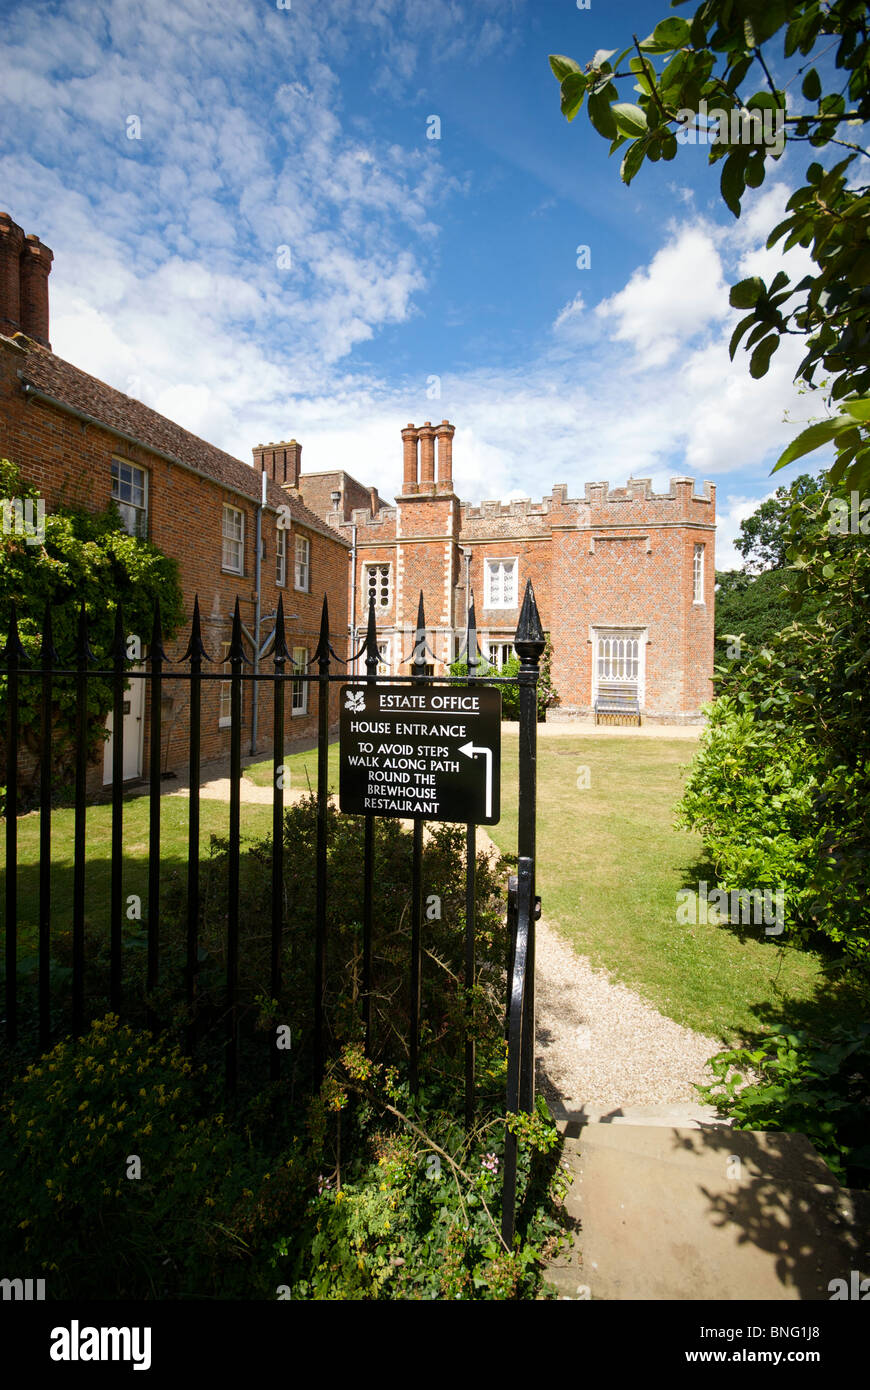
624 577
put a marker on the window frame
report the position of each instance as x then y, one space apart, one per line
233 540
142 511
698 559
306 563
502 644
490 561
225 691
281 558
299 687
376 565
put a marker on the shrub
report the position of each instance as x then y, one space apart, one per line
73 1123
815 1086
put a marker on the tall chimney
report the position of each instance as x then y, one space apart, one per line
427 457
36 262
293 465
281 461
11 242
409 446
445 432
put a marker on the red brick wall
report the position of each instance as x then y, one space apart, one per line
70 462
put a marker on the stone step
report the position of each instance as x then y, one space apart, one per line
705 1213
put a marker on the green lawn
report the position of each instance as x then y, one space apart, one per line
303 770
214 819
609 866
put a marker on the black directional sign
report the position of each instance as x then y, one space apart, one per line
432 751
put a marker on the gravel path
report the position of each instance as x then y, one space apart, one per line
599 1043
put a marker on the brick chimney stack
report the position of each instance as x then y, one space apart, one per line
282 461
427 457
445 432
11 243
409 446
35 270
25 265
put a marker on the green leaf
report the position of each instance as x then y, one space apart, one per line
779 230
573 89
633 159
601 115
760 359
738 334
732 182
746 293
630 119
858 408
812 85
670 33
813 438
562 66
755 169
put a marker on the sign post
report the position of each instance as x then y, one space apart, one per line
431 752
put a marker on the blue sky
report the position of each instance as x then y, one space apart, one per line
284 253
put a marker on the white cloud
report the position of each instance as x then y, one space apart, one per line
681 292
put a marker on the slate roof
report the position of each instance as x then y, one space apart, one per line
73 387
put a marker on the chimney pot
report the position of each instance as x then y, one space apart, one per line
36 262
11 244
409 446
427 457
445 432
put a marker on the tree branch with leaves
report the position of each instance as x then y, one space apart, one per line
686 66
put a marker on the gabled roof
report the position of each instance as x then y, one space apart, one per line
71 387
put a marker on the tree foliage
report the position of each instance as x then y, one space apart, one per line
546 694
778 523
750 608
84 557
780 789
717 61
755 603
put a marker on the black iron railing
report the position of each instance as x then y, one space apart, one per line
529 643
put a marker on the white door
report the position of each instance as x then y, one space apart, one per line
134 710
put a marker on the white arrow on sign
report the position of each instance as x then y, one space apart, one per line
469 749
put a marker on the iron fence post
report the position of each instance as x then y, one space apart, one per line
321 656
115 938
49 659
157 657
529 643
280 655
13 653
